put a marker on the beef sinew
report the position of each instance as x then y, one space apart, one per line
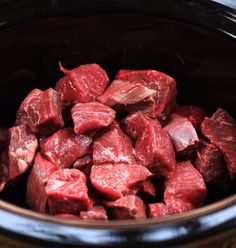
164 85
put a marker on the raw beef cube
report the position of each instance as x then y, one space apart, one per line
128 97
161 209
96 213
208 160
113 146
127 207
21 149
117 180
182 134
82 84
90 116
3 138
148 188
84 164
220 129
67 192
157 210
41 111
165 86
153 148
185 186
64 147
35 193
193 113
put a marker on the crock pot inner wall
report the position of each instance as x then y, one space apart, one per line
203 63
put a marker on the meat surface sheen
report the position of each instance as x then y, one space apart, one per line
82 84
91 116
153 147
164 85
182 133
36 196
117 180
67 192
113 146
64 147
128 97
41 111
185 186
127 207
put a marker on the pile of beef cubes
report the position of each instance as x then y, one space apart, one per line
96 150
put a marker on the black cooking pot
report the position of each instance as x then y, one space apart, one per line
193 41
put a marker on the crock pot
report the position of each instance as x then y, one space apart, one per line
193 41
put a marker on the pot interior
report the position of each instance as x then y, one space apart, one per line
202 62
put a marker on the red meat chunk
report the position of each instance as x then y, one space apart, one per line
157 210
3 138
153 148
67 192
161 209
20 151
148 187
182 133
208 160
193 113
220 129
128 97
127 207
35 193
117 180
84 164
165 86
64 147
82 84
41 111
96 213
113 146
90 116
186 188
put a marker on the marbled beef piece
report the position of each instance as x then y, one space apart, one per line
127 207
182 133
41 111
157 210
153 147
82 84
91 116
193 113
95 213
128 97
64 147
67 192
185 188
220 129
35 193
68 216
113 146
21 148
208 160
161 209
3 138
117 180
164 85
